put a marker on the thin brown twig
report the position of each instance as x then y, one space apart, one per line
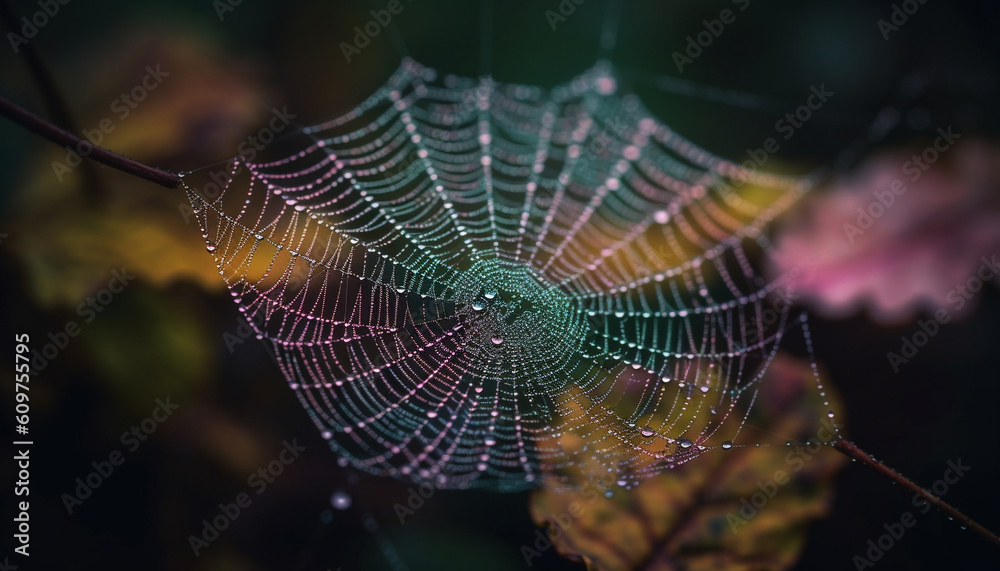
850 450
46 129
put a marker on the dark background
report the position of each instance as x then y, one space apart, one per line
943 407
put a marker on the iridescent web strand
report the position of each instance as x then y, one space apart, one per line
457 275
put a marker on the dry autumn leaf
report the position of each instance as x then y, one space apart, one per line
745 508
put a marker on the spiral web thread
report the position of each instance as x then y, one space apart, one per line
478 284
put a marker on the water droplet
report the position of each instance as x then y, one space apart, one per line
210 246
619 314
490 293
340 500
684 443
647 431
727 445
478 305
258 236
490 441
432 414
497 340
400 289
829 413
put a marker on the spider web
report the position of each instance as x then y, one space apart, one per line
466 282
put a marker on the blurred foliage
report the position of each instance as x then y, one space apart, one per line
123 342
897 235
71 230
